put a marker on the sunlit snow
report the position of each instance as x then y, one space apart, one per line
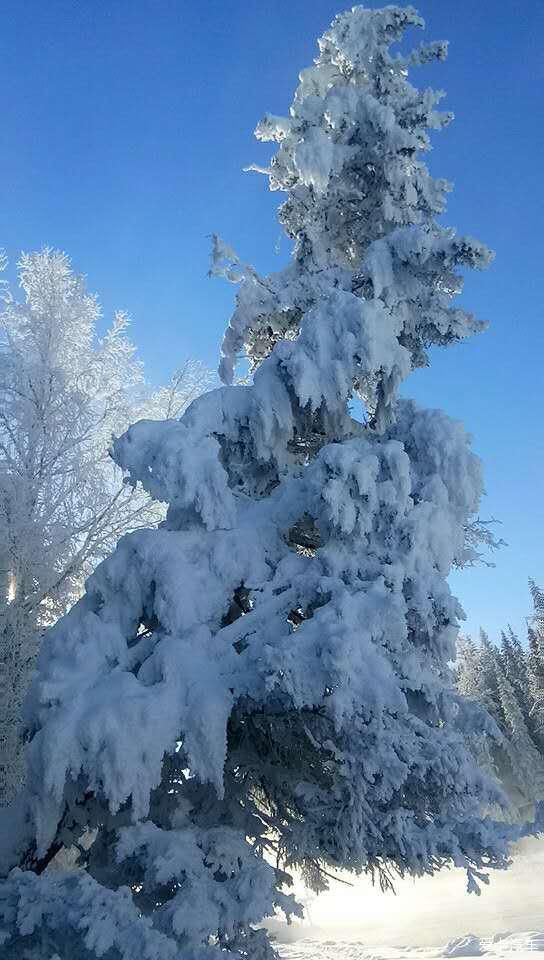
434 916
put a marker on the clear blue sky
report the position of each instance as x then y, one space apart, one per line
125 127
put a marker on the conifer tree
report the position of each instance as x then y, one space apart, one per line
475 664
507 681
538 607
467 668
535 635
514 664
535 665
486 669
262 684
517 648
525 760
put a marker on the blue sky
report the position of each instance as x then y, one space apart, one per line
126 125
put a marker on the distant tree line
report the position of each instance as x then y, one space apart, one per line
507 679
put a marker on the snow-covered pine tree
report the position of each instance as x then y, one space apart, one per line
523 774
467 667
535 636
507 681
535 658
537 618
487 686
475 662
262 684
481 678
515 667
535 664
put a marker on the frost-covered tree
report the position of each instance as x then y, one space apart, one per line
514 665
478 666
536 670
63 503
525 757
507 680
262 684
537 617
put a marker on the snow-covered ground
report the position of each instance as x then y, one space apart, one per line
361 923
501 946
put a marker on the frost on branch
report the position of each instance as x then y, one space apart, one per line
263 683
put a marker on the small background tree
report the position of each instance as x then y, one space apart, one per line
63 502
507 680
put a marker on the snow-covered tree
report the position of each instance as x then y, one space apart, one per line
507 680
535 637
536 668
262 684
525 758
514 665
537 617
63 503
477 673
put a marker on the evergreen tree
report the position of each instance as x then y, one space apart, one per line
476 672
525 759
534 649
262 683
517 648
476 663
488 688
538 607
467 668
535 665
507 681
515 667
535 634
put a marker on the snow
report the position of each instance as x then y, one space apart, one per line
469 946
431 915
502 946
